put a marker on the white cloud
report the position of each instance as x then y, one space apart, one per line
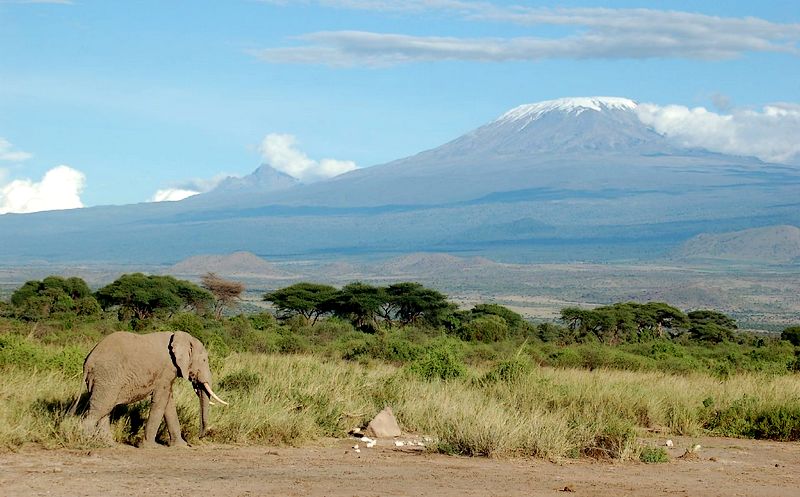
187 189
172 195
8 154
56 2
769 134
280 152
60 188
591 33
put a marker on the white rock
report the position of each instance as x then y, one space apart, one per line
669 443
696 448
358 451
370 445
355 446
367 440
399 443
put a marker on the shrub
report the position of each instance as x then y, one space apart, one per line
508 371
651 455
394 347
292 343
17 351
441 361
749 417
615 440
354 345
185 321
792 335
263 321
487 328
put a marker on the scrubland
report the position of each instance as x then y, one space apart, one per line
291 388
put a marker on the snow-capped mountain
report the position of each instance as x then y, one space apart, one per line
586 144
576 178
607 124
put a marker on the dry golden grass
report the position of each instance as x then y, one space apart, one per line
549 413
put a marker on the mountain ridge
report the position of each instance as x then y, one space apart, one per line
572 184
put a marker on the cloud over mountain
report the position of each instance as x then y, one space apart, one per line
280 151
769 134
60 188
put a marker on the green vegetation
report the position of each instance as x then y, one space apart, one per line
139 297
481 381
653 455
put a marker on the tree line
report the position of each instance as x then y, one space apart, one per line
138 299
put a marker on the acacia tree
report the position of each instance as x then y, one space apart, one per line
358 302
54 294
141 296
410 302
306 299
226 292
625 321
711 326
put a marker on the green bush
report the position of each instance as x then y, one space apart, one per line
651 455
394 347
441 361
263 321
186 321
18 351
68 360
748 417
21 352
616 439
487 329
792 335
354 345
565 358
292 343
508 371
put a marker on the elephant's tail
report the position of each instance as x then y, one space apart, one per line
74 406
88 380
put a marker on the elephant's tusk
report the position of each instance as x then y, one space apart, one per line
213 395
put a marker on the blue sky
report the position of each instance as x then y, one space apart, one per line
136 97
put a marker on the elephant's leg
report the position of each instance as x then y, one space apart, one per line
97 419
105 428
159 405
173 425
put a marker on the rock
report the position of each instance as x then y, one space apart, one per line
669 443
384 425
399 443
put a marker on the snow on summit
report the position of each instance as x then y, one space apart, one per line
575 105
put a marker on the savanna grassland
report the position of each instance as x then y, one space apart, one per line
478 382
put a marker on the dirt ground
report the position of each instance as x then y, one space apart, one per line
723 467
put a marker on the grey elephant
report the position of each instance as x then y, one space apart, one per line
126 367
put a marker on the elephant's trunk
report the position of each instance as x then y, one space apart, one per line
204 412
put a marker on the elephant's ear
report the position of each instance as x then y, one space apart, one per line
181 351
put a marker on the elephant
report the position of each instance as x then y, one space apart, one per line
127 367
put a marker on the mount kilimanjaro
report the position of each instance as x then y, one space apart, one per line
561 180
